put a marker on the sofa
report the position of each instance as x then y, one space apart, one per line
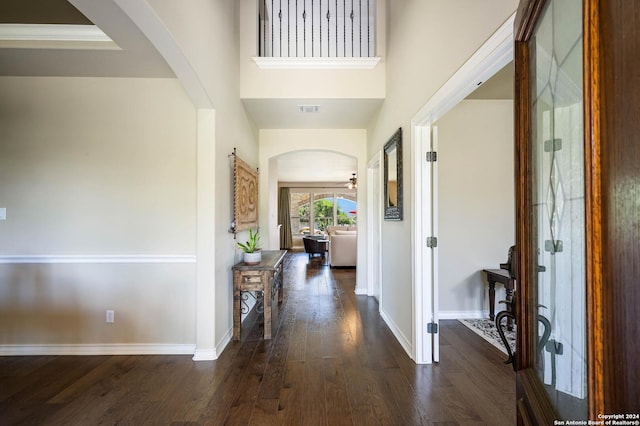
343 245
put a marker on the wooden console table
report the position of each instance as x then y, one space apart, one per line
266 277
498 276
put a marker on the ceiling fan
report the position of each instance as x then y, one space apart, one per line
353 182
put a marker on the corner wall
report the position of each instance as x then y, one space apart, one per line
427 41
208 34
476 216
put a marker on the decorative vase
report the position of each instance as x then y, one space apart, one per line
252 258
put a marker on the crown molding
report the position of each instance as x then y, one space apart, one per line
54 36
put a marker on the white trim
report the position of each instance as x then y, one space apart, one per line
402 339
374 227
417 325
52 32
434 252
421 262
491 57
205 355
147 20
449 315
54 36
316 63
98 349
226 339
106 258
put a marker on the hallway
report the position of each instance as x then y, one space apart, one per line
332 361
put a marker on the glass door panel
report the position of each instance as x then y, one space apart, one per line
323 211
300 213
347 209
559 205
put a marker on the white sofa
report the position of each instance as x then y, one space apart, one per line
343 246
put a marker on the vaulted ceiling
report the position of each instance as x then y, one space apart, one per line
128 53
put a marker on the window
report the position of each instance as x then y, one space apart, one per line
300 218
327 209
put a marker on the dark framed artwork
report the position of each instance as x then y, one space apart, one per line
245 198
393 177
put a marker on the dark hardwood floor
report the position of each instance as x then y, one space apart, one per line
332 361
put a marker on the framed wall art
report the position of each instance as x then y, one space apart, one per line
245 196
393 177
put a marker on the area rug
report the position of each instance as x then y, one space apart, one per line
486 329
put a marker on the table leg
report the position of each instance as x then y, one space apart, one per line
236 305
280 285
509 292
266 299
492 300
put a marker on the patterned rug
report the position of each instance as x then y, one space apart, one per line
486 329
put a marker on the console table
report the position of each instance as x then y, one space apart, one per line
498 276
266 277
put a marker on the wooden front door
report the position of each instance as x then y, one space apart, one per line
577 213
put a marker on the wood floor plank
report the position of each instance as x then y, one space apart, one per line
291 393
332 361
336 393
313 394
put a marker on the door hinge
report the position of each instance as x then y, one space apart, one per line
553 246
432 328
432 156
552 145
432 242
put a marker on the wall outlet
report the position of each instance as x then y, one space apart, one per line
110 316
3 213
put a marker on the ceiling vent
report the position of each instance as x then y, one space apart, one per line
308 108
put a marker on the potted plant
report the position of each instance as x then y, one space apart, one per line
252 253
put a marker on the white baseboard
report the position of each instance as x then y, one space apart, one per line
361 291
222 344
404 342
445 315
205 355
107 349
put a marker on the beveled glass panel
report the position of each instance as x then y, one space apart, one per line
557 144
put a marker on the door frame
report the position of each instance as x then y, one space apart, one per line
491 57
374 228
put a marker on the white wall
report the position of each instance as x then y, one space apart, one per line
200 41
98 168
427 41
276 142
476 216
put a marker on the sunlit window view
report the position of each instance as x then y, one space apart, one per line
312 217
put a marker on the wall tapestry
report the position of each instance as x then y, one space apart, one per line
245 189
